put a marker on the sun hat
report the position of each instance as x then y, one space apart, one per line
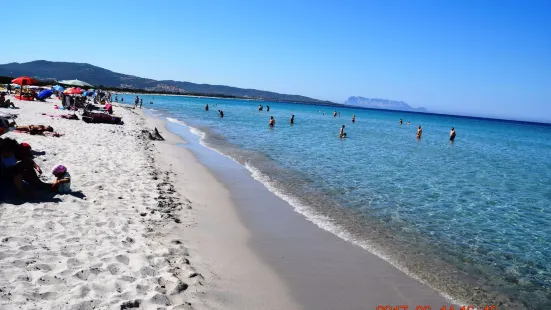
59 170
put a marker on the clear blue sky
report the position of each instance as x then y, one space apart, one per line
487 57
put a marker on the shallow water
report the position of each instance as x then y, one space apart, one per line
470 218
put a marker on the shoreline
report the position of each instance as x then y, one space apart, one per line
407 287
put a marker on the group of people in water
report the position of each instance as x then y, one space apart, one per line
342 134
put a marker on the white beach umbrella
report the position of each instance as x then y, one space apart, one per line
75 83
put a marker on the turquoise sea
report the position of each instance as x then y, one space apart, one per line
471 218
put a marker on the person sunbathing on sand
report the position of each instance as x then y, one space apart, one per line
34 129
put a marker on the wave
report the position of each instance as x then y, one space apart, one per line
320 220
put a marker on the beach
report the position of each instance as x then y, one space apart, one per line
176 225
118 240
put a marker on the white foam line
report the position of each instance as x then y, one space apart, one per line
319 220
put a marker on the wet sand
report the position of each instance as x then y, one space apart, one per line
285 260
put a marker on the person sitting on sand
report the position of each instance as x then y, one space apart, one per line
342 134
10 172
29 169
272 121
62 184
419 132
109 108
452 134
292 120
354 118
5 103
207 107
34 129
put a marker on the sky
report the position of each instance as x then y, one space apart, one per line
485 58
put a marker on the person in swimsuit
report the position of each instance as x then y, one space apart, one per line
267 108
260 107
221 113
354 118
452 134
272 121
334 113
419 132
342 134
401 122
292 120
34 129
207 107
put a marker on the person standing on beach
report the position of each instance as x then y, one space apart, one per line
354 118
141 102
292 120
9 88
452 134
272 121
136 101
419 132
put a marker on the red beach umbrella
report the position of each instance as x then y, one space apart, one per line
73 91
24 80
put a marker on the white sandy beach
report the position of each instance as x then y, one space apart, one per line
104 250
121 239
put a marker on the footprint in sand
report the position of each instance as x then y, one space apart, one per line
122 259
49 280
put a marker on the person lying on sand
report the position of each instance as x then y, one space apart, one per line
34 129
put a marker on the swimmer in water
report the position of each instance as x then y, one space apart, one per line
292 120
207 107
221 113
419 132
272 121
452 134
339 114
334 113
409 123
260 107
267 108
342 134
354 118
401 122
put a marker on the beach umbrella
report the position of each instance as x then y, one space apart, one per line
58 88
75 83
73 91
24 80
45 94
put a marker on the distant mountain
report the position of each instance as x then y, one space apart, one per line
375 103
43 69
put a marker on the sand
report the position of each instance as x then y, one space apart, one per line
106 245
148 226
